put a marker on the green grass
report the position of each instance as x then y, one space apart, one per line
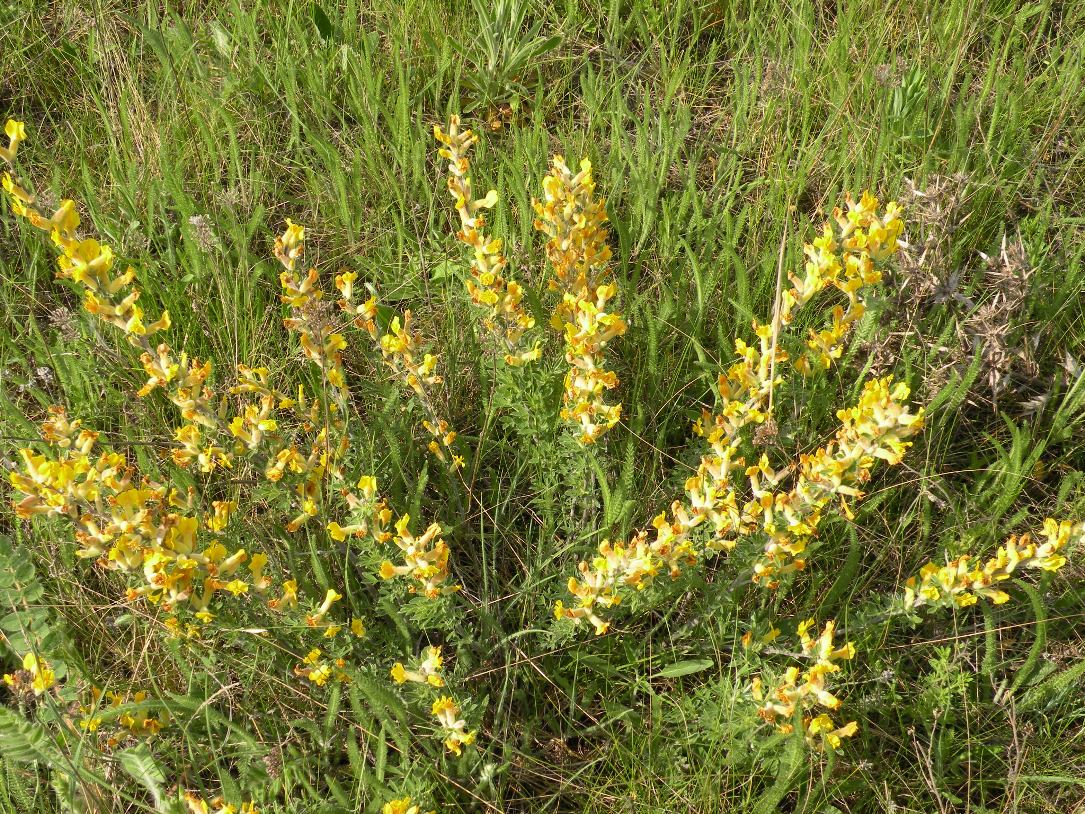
189 132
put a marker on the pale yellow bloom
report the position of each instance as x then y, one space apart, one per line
427 671
454 728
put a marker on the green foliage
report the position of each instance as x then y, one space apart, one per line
26 741
503 53
26 623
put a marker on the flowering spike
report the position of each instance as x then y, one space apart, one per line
501 298
573 219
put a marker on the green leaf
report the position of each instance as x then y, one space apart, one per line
25 741
221 39
685 668
322 23
139 763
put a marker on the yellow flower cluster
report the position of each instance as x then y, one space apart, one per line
197 805
322 345
573 220
84 261
453 727
139 527
843 256
402 806
168 537
114 300
371 514
502 299
129 525
37 676
744 390
257 430
132 723
427 674
428 670
316 666
802 691
846 259
319 670
618 566
876 428
873 429
425 559
959 583
400 348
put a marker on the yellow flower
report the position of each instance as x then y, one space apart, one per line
320 675
16 192
447 713
290 245
223 511
260 583
42 677
427 671
330 598
455 741
401 806
196 804
90 724
289 598
16 133
357 628
387 570
823 725
345 283
368 485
